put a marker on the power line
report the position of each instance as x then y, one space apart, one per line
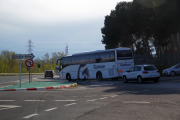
70 44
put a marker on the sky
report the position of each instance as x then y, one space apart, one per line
52 25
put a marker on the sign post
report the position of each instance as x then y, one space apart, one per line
22 56
20 73
29 63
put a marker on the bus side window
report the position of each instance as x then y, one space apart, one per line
84 59
93 57
111 56
104 57
76 60
67 61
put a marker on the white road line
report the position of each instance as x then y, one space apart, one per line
6 100
51 109
34 100
114 96
70 104
108 95
103 98
135 102
30 115
64 100
91 100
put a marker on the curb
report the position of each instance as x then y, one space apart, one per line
41 88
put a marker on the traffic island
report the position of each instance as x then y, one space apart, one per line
39 85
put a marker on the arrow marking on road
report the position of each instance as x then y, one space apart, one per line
8 107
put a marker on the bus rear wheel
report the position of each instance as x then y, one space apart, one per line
99 76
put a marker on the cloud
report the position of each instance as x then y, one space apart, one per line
51 24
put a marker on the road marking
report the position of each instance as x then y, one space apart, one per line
139 102
65 100
108 95
6 100
51 109
8 107
34 100
114 96
103 98
70 104
30 115
90 100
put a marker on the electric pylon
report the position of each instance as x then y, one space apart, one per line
66 49
30 47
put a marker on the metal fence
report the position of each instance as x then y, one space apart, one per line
160 60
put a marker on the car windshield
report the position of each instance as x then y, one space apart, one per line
174 66
150 68
48 71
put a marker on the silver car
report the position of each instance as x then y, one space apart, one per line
174 70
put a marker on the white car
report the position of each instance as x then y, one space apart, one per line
142 73
174 70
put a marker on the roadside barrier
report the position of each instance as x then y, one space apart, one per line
16 74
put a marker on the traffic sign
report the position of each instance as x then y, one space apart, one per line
29 63
23 56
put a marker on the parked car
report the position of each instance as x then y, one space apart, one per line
49 73
174 70
142 73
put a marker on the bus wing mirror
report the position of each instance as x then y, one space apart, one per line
98 60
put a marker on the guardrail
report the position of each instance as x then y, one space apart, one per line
15 74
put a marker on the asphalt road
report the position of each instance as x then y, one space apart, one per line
94 100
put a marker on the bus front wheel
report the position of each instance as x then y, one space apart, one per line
68 77
99 76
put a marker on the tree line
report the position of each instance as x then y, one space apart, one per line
146 26
9 65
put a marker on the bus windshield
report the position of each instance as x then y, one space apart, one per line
124 54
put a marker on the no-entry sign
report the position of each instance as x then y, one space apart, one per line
29 63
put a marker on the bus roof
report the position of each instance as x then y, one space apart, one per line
98 51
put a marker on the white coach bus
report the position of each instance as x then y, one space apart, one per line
99 64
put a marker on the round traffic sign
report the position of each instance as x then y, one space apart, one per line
29 62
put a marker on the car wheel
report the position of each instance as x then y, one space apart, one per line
156 80
172 73
140 80
99 76
69 77
125 79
